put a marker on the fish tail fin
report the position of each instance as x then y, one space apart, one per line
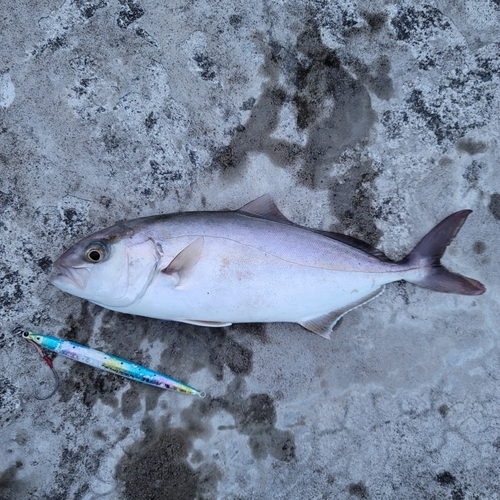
426 256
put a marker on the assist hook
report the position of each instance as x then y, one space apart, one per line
51 366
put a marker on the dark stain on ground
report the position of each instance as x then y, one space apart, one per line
45 264
479 247
187 349
255 416
73 460
375 76
443 410
12 289
445 478
376 21
163 176
358 490
496 443
334 108
494 205
333 105
458 494
82 380
471 146
352 27
192 348
150 121
316 78
157 467
10 486
351 201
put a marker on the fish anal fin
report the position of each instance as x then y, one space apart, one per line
264 207
182 265
205 323
323 324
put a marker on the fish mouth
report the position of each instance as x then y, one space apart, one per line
77 276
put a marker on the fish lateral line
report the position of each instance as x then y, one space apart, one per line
109 363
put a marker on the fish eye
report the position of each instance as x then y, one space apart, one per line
96 252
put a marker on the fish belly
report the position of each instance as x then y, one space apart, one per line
241 283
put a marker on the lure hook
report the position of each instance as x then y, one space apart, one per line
49 363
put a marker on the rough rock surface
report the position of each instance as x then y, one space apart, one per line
373 118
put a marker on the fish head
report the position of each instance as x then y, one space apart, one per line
111 268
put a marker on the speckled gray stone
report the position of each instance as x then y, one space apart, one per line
373 118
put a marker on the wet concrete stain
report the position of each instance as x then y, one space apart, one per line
331 105
10 485
316 75
255 416
443 410
157 467
445 478
321 78
494 205
186 350
471 146
358 490
73 458
479 247
82 380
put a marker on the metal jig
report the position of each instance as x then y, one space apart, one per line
49 363
108 363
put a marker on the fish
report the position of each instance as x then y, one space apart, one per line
109 363
250 265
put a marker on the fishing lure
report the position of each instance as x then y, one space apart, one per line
108 363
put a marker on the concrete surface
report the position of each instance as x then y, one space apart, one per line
374 118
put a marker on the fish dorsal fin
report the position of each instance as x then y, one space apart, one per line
181 266
323 324
264 207
354 242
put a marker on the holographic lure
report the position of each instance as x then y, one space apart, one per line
109 363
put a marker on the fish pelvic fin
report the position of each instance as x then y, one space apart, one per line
211 324
323 324
427 257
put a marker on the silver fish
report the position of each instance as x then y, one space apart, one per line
250 265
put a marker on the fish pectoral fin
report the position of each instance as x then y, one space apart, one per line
263 207
205 323
184 262
323 324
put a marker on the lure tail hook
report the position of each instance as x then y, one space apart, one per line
50 365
